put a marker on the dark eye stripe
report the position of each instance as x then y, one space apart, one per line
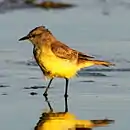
34 35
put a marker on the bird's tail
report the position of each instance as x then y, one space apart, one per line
86 63
104 63
93 123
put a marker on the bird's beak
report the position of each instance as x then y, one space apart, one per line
24 38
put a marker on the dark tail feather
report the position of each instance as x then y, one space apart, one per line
104 63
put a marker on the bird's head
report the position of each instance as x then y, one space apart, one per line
38 35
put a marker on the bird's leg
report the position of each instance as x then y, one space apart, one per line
45 93
66 104
66 87
46 99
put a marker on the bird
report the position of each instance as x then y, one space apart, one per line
65 120
56 59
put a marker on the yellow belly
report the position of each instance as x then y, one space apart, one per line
58 67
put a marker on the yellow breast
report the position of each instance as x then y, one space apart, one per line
58 67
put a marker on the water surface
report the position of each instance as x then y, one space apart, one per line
97 92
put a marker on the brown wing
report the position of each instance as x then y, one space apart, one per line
84 56
63 51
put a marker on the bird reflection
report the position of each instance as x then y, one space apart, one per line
66 121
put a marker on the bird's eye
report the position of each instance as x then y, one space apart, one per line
33 35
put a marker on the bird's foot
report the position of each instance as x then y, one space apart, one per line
45 94
66 95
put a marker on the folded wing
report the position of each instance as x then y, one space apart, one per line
63 51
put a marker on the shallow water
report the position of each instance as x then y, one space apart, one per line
97 92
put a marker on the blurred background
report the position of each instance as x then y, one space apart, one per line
100 28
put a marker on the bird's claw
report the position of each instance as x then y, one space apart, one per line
45 94
66 95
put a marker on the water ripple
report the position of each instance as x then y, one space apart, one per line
84 73
33 93
108 69
4 86
35 87
88 81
